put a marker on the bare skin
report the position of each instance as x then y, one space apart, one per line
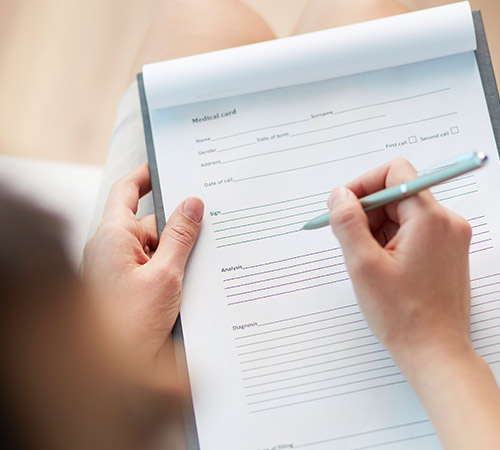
417 248
409 266
322 14
138 277
408 263
188 27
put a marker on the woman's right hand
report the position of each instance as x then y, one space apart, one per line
409 266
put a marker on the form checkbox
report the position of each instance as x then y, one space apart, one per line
412 139
454 130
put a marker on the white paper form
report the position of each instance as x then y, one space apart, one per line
278 353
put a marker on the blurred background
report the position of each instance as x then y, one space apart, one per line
64 65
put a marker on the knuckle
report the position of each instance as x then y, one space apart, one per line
438 221
117 186
107 229
103 228
365 262
88 249
439 215
88 246
107 234
463 228
400 170
172 279
402 164
449 223
181 234
346 217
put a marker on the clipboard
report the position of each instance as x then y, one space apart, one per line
493 102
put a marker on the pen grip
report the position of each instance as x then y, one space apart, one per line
382 198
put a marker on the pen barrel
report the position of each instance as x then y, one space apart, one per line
457 167
469 162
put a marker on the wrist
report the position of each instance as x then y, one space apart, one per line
437 360
459 393
444 370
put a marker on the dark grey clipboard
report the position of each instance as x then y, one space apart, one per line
190 432
491 94
487 75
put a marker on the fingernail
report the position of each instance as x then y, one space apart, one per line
193 208
338 194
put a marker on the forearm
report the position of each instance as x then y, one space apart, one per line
461 397
409 266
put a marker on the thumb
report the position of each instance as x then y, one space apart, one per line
179 235
350 225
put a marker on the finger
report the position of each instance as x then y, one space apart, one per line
385 232
380 177
124 196
149 231
350 225
392 173
178 237
399 172
373 181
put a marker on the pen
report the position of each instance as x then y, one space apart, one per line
458 166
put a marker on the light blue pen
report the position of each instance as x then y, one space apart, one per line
451 169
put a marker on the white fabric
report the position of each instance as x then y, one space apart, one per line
127 150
